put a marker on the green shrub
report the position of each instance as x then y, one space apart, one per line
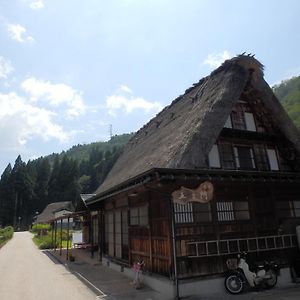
45 241
36 228
6 234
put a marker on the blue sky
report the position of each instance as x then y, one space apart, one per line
70 68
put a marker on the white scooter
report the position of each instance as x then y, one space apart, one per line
240 275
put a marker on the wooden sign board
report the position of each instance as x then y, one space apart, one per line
203 194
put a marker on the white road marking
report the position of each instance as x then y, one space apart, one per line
87 281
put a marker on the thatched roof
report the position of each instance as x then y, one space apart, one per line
48 213
193 122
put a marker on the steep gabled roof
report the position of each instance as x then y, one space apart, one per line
182 134
48 213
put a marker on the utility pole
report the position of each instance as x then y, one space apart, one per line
110 130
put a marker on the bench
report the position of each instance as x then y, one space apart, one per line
82 246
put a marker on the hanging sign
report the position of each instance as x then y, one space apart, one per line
203 194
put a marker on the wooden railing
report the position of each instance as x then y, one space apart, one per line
232 246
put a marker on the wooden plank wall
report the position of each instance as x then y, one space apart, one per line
263 221
152 243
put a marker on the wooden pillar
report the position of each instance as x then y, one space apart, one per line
173 230
100 251
68 232
92 235
52 235
55 235
129 233
150 231
60 244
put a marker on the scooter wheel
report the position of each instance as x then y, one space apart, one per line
234 284
271 282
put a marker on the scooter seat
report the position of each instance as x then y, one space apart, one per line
260 267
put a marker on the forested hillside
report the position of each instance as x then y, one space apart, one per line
26 188
288 92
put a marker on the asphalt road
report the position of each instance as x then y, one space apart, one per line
27 273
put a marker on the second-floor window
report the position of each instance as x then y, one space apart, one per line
241 118
244 157
288 209
192 212
230 156
231 211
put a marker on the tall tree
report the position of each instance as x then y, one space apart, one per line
23 193
53 186
6 198
42 183
68 180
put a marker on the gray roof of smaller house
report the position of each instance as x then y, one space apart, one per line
85 197
48 213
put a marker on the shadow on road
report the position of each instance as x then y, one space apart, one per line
52 257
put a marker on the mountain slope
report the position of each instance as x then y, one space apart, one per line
26 189
288 93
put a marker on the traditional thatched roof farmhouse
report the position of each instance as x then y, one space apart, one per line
54 210
215 173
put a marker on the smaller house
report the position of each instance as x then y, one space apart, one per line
55 211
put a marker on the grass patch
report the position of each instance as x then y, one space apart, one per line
5 235
36 228
44 241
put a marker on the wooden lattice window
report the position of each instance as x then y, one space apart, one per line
273 161
183 213
244 157
261 158
242 117
139 215
238 119
202 212
226 154
231 211
288 209
192 212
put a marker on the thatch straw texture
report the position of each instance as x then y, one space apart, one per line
182 134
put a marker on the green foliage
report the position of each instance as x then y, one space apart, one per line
6 234
28 188
6 197
36 228
288 92
44 241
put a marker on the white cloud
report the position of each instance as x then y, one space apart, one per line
129 103
20 121
5 67
56 95
214 60
126 89
18 33
35 5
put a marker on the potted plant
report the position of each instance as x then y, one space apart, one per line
71 256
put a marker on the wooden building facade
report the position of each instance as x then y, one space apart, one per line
227 131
